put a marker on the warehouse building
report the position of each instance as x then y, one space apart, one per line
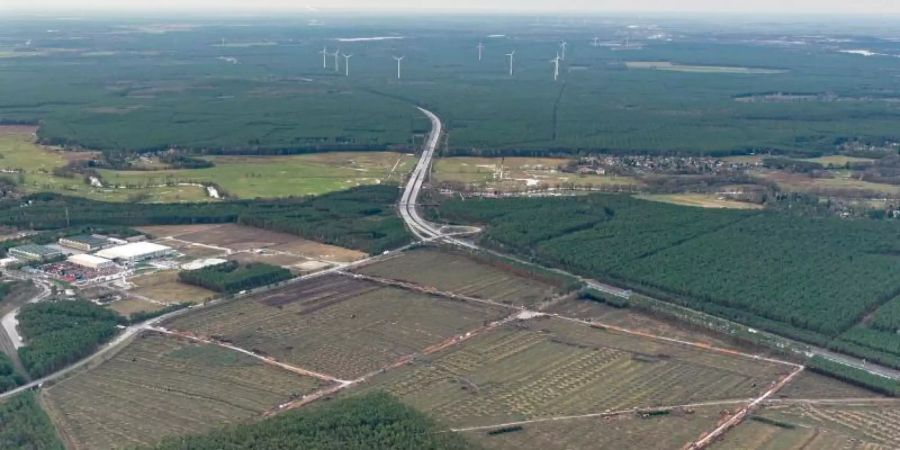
33 252
84 242
134 252
91 262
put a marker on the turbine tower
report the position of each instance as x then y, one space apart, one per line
511 55
555 62
563 46
347 63
596 42
480 48
324 53
337 62
398 59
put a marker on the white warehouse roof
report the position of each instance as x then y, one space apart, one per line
86 260
134 250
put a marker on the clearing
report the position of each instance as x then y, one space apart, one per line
517 174
337 325
691 68
159 386
459 273
164 287
550 367
700 200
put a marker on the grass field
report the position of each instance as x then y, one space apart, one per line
846 427
129 306
279 176
700 200
550 367
160 386
695 68
36 163
629 431
461 274
841 182
810 385
337 325
515 174
164 287
838 160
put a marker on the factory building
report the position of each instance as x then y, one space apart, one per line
32 252
85 243
134 252
91 262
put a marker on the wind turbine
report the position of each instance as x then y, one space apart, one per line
324 53
347 63
337 62
555 62
480 48
563 46
596 42
398 59
511 56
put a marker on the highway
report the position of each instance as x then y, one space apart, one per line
420 227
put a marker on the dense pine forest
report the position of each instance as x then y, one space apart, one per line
232 277
811 278
58 333
371 422
25 426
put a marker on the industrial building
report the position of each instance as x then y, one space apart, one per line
91 262
137 251
84 242
33 252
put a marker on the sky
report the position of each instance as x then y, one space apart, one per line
863 7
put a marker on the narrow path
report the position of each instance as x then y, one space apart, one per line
621 412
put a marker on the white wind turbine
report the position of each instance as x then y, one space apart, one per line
398 59
596 42
563 45
480 48
325 54
347 63
511 55
337 62
555 62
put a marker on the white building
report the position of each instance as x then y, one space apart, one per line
136 251
91 262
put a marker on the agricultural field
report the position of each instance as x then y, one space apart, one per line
811 385
337 325
164 287
628 431
700 200
819 426
159 386
549 367
840 183
462 274
517 174
130 306
839 161
277 176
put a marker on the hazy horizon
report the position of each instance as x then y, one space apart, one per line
760 7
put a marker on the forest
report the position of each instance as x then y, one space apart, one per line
8 376
810 278
232 277
25 426
367 422
58 333
361 218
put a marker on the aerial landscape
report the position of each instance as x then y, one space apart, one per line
491 225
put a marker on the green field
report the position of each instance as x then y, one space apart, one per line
239 177
144 85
